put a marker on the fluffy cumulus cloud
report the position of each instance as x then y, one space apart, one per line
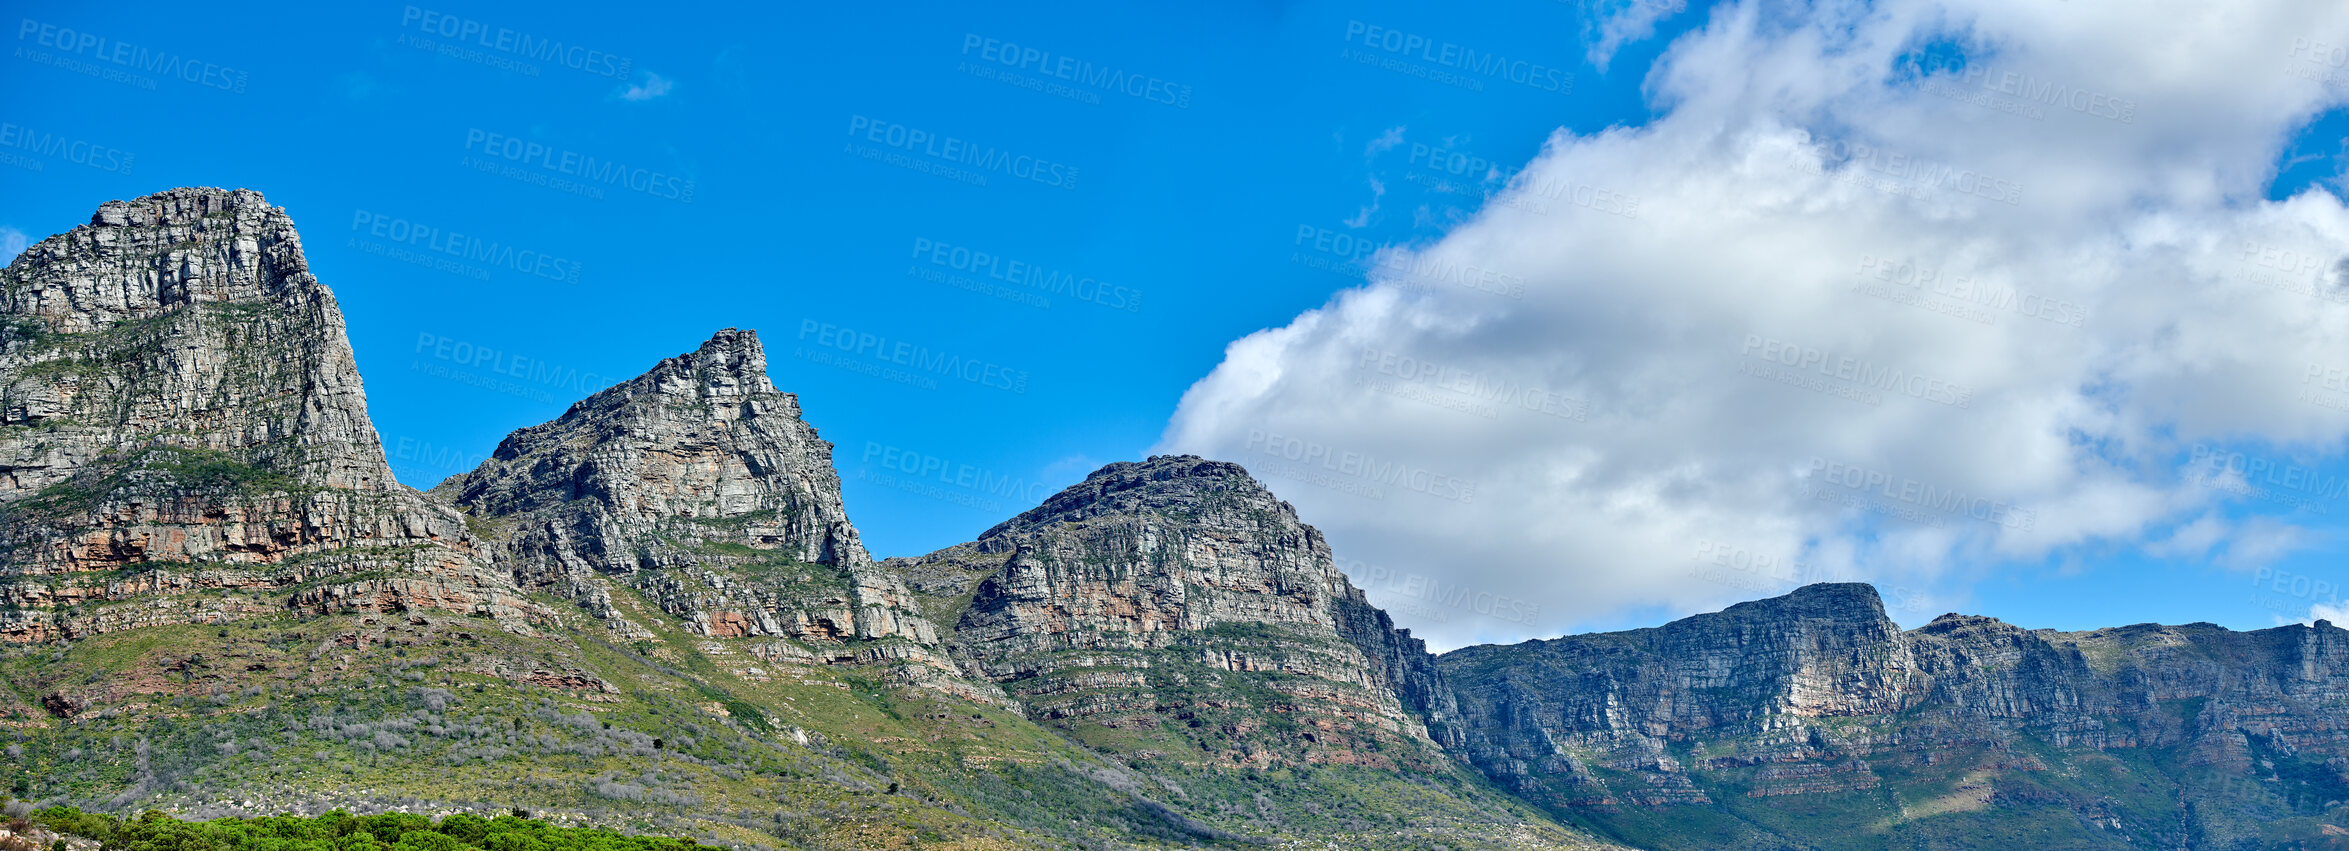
1892 291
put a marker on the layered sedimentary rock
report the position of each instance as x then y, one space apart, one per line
1819 692
180 412
1179 602
699 486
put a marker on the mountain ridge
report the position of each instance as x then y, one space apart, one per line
656 602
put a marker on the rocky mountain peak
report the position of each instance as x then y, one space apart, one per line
1954 624
1130 487
702 438
179 247
186 318
1832 600
1190 585
177 389
698 485
729 365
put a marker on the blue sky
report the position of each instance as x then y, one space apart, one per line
791 172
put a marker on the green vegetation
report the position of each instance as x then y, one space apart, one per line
341 831
177 468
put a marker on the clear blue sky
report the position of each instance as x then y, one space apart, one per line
370 121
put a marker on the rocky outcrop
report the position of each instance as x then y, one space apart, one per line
699 486
702 444
1817 692
176 389
187 318
1177 600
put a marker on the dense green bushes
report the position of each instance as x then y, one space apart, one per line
341 831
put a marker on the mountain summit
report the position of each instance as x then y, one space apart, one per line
653 609
181 415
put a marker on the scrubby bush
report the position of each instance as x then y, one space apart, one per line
341 831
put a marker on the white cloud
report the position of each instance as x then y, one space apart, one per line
1615 23
1386 141
2136 287
654 86
1361 218
12 242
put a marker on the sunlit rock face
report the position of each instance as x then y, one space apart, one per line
180 412
1178 601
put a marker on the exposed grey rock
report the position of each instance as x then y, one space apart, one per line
1169 591
699 486
1814 691
176 388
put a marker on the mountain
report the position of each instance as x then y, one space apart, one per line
1173 606
651 612
184 438
1812 720
698 486
654 613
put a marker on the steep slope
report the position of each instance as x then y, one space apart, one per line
1174 614
698 485
1176 602
180 413
290 630
1811 718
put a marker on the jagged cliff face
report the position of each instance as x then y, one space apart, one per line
2136 734
699 486
184 439
186 318
1176 607
180 412
702 446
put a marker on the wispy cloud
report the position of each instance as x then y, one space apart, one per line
653 86
1378 190
12 243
